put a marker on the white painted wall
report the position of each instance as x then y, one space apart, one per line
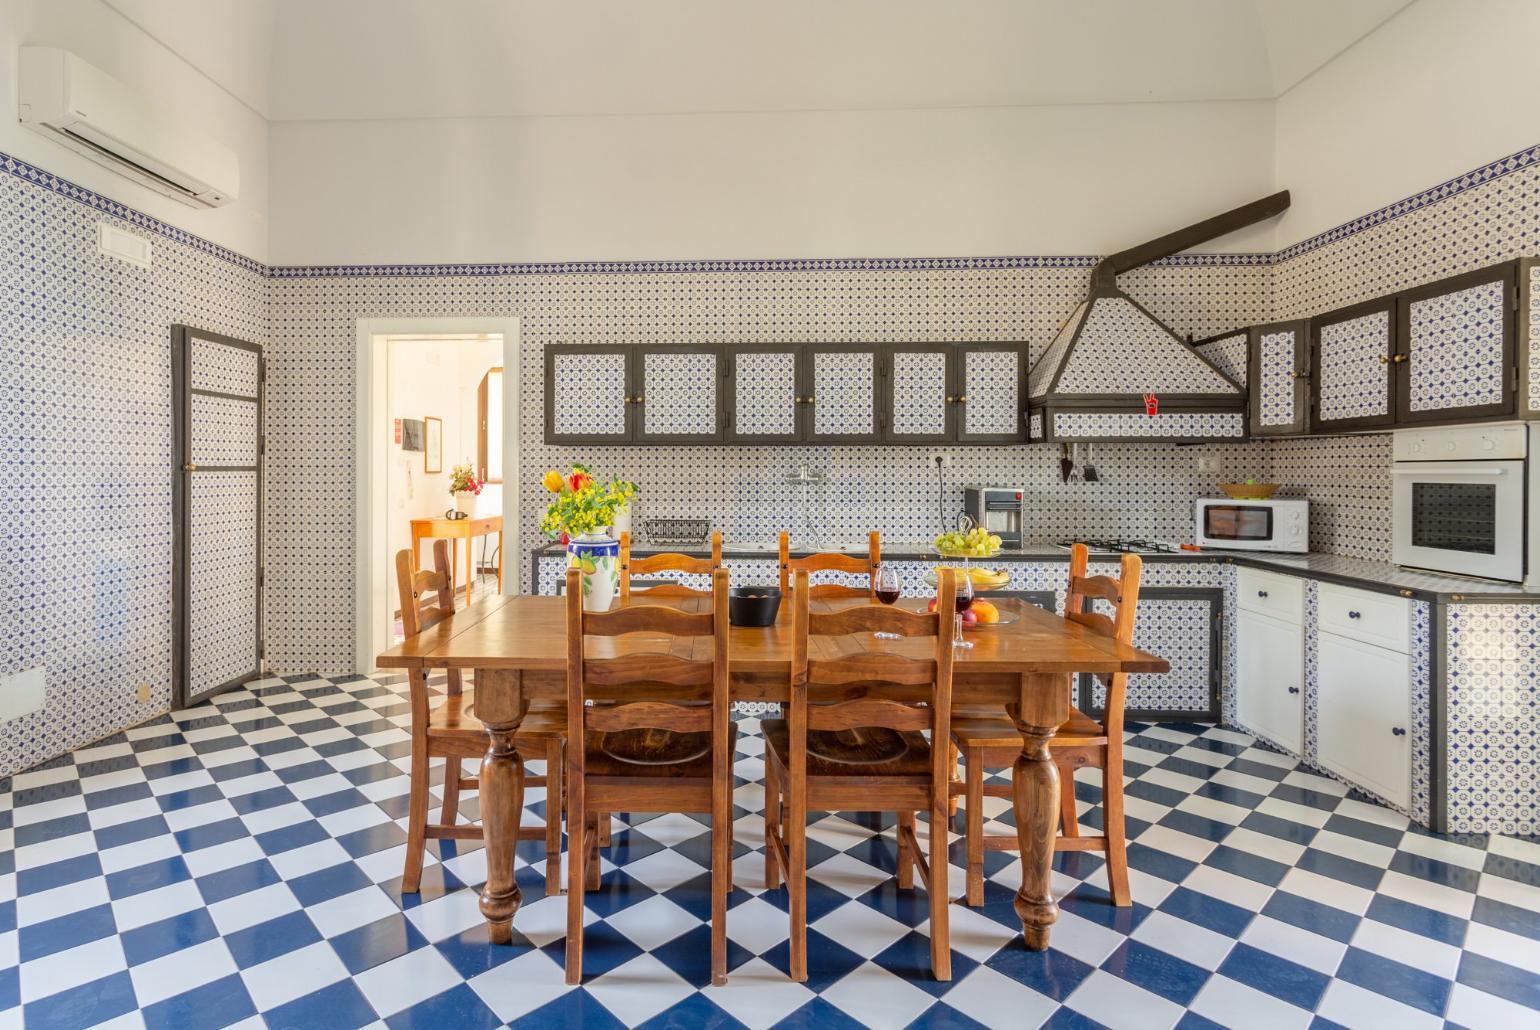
105 38
977 181
1443 87
435 378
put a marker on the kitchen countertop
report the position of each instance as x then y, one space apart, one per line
1380 576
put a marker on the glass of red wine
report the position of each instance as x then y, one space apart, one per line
885 586
964 602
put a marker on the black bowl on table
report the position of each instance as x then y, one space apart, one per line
753 606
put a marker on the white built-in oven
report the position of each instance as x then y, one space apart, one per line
1273 524
1460 500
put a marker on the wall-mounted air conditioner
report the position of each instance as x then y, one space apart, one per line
87 110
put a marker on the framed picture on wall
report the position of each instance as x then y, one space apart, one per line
411 434
433 444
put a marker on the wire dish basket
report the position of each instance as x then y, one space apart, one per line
675 532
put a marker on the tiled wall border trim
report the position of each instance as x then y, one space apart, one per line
1477 177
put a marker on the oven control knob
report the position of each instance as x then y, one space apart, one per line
1417 447
1449 446
1487 444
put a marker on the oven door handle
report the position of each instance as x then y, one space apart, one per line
1472 470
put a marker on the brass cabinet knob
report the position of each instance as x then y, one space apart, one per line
1384 359
809 399
1399 358
962 398
950 398
189 467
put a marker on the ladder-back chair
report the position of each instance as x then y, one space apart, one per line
669 562
833 561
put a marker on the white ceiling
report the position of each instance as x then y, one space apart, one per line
360 59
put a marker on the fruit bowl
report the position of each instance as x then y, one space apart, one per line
1249 491
974 542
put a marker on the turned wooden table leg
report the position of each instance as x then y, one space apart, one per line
501 706
1035 782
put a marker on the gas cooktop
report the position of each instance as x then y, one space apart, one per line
1120 545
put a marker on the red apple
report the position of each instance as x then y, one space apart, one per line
970 617
932 607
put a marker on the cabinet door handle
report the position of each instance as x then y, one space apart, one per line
950 398
1355 615
1398 731
962 398
1261 593
1294 690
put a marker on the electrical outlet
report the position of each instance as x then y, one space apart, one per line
1208 463
144 693
940 458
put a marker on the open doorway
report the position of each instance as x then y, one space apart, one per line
431 399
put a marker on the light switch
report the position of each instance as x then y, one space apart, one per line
21 693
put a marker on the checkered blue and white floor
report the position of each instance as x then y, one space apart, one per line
239 864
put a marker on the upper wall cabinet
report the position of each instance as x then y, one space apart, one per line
588 394
1278 367
764 393
1227 352
921 393
678 394
841 393
1456 360
1354 351
991 392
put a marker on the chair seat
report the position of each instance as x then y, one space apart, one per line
854 752
455 717
660 753
974 727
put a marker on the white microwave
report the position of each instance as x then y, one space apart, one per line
1271 525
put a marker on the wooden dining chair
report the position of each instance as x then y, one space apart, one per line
986 740
854 741
669 562
835 561
654 747
451 731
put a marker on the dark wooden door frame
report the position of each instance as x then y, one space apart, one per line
1215 598
1300 383
1505 273
1386 304
889 393
628 351
810 395
730 432
181 473
639 389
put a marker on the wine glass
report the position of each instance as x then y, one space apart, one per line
885 586
964 584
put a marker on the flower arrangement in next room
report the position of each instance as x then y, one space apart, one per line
582 504
462 479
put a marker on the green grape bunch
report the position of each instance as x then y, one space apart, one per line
977 542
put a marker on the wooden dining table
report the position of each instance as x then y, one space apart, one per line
517 647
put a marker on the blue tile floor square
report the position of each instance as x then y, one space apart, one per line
312 868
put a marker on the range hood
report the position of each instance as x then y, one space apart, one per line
1116 372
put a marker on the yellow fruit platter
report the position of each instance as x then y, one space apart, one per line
983 579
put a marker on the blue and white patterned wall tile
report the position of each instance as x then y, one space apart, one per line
1230 354
223 369
765 392
1422 710
1227 701
671 406
1312 628
991 382
1071 425
1455 343
1275 378
590 393
920 392
1120 351
1346 348
224 430
1534 329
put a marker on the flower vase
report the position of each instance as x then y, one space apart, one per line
464 501
622 521
598 556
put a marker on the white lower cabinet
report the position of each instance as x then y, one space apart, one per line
1270 678
1364 715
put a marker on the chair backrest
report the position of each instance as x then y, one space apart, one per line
863 688
833 561
416 586
652 689
1122 594
670 562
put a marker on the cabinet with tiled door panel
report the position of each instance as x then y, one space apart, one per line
678 396
841 393
1456 356
1278 380
990 392
1270 657
1181 624
589 394
920 393
1353 354
763 393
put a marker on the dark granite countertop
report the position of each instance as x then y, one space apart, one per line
1365 574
